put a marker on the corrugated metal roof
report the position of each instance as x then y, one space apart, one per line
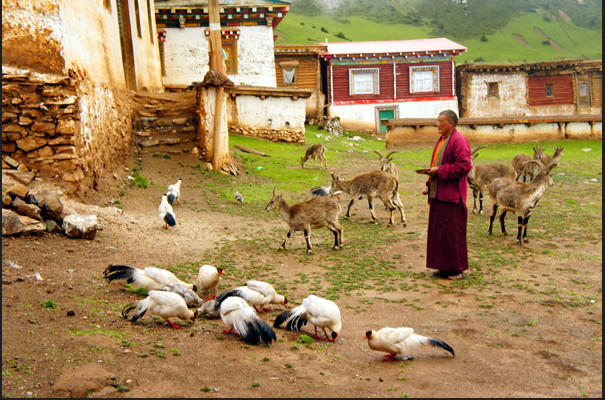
394 46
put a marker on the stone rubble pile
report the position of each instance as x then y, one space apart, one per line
328 124
34 212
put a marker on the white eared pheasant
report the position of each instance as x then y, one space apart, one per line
166 213
163 304
208 310
174 192
191 298
238 316
320 312
401 341
208 279
257 293
151 278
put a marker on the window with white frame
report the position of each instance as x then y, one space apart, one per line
424 79
363 81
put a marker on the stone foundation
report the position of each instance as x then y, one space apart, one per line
274 135
508 133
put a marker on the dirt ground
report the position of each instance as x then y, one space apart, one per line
509 342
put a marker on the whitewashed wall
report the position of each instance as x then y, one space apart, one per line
272 113
96 48
90 37
362 117
512 101
256 57
186 56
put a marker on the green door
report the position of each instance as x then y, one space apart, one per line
382 115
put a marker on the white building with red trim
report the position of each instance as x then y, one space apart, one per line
366 82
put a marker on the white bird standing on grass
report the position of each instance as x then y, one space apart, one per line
320 312
174 192
238 316
401 341
257 293
151 278
162 304
208 279
239 197
166 213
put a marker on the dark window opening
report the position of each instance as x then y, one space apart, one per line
550 92
137 17
492 90
149 20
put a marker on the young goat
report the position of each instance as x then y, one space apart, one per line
316 213
547 158
387 164
481 175
523 168
372 184
521 198
315 151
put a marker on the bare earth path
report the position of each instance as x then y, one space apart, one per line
528 324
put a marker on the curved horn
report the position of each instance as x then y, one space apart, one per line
538 162
274 191
392 152
379 155
550 166
476 149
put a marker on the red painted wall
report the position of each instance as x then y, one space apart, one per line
445 80
563 92
340 81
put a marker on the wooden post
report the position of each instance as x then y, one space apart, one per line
217 64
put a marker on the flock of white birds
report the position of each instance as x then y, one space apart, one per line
169 297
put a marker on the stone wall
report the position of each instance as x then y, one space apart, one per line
275 118
274 135
63 126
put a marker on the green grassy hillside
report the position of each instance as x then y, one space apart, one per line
522 39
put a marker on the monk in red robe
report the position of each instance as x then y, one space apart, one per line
446 189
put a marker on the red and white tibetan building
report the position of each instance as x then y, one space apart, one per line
367 82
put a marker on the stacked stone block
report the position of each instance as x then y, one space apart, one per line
40 117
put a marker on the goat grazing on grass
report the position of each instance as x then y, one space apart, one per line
379 184
316 213
387 164
519 197
547 158
525 169
481 175
315 151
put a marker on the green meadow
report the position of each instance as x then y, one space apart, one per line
502 46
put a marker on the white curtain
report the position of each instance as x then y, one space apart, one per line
289 75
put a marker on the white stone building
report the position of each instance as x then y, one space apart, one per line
246 32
